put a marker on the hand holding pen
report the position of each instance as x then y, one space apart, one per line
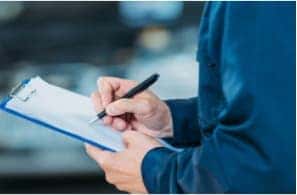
147 113
132 92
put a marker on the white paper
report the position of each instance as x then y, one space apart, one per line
67 111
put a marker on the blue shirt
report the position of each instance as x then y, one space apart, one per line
239 133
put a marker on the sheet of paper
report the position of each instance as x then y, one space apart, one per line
66 111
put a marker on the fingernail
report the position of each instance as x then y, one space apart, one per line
110 110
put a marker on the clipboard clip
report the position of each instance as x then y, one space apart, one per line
14 93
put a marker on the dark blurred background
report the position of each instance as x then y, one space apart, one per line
71 44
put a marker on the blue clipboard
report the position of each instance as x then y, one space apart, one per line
13 94
87 138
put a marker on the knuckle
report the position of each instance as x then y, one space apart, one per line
148 105
121 104
123 101
118 105
107 159
108 178
101 80
113 108
121 187
103 84
95 96
128 134
125 135
104 163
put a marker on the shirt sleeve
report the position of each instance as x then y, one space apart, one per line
195 170
224 163
185 122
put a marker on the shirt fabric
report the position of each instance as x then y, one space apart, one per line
240 132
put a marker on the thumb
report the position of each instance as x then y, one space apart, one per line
135 106
96 153
129 137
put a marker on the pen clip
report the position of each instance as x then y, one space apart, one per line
14 92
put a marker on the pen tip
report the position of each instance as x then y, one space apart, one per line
93 120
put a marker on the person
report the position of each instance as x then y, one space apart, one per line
238 135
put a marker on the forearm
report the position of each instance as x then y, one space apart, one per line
218 166
183 172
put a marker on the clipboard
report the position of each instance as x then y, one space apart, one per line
62 111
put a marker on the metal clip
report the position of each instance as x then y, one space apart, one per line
13 93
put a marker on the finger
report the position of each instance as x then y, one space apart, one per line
123 187
119 86
143 129
128 187
115 177
96 99
127 117
129 137
110 86
93 152
119 124
106 90
100 156
107 120
129 127
136 106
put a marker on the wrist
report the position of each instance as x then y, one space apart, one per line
167 130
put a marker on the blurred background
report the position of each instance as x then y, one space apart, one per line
71 44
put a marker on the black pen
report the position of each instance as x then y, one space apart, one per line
132 92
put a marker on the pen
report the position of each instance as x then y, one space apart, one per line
132 92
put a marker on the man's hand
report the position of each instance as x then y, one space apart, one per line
145 112
123 169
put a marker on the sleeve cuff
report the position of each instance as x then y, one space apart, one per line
152 163
185 129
